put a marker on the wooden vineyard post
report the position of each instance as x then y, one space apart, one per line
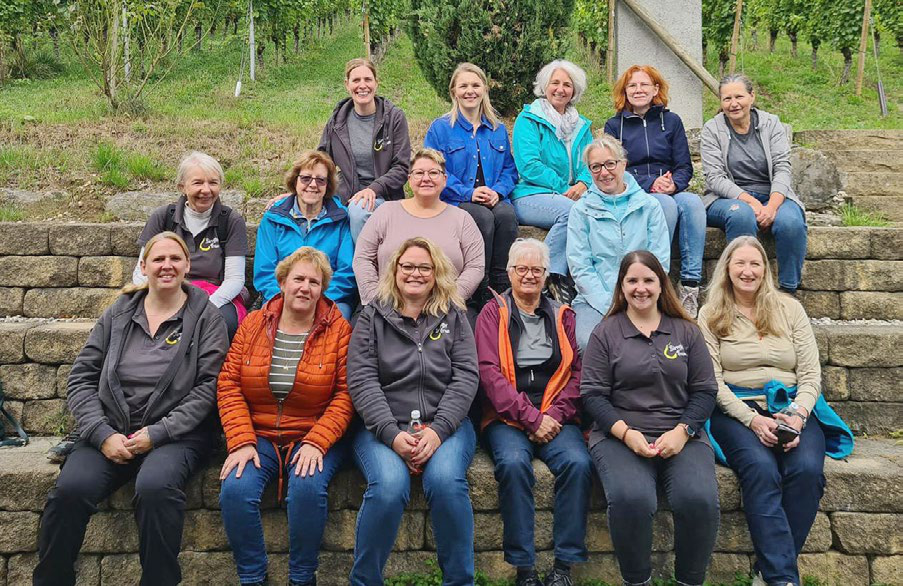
366 25
863 43
610 53
735 37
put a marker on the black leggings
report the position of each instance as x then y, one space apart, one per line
230 314
498 226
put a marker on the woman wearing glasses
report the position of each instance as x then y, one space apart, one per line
530 373
412 356
659 160
614 217
481 172
309 216
425 215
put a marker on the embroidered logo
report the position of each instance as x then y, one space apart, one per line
439 330
208 243
672 351
173 338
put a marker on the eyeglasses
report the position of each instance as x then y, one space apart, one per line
610 165
522 270
306 180
408 268
433 174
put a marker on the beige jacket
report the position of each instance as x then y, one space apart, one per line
743 359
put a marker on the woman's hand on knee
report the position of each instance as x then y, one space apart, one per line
764 428
308 460
115 450
671 442
636 441
239 458
427 445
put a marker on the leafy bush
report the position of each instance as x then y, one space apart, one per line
510 39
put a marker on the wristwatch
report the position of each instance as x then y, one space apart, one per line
691 431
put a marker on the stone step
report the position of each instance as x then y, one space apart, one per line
890 206
854 536
862 160
869 184
841 140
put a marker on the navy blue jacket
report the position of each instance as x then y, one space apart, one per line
656 144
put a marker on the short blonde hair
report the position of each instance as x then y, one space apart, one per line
577 75
307 254
445 290
605 141
431 154
308 160
166 235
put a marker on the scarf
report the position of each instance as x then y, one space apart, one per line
566 125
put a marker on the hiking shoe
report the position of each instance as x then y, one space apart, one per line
531 579
58 453
561 288
689 299
558 578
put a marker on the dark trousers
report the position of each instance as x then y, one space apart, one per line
781 492
630 483
498 226
88 477
567 458
230 315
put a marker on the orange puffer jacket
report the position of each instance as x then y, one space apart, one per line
318 409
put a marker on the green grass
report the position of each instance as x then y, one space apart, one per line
11 214
120 168
852 216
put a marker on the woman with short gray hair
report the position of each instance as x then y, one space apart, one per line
549 137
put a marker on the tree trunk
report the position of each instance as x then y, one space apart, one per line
793 52
754 40
814 56
296 32
55 36
19 55
198 36
235 26
877 41
603 56
847 64
723 58
705 46
772 39
2 62
261 47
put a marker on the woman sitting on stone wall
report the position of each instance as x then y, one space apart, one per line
143 394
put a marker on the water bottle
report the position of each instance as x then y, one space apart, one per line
416 426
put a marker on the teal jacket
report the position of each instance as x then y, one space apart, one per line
542 159
838 437
602 229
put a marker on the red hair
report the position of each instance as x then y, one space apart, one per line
620 90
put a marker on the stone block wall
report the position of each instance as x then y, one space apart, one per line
76 270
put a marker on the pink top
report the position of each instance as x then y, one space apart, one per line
452 230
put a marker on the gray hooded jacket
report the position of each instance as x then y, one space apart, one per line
185 395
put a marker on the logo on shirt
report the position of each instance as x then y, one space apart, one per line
173 338
208 243
439 330
672 351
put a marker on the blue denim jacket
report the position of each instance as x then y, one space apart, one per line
459 147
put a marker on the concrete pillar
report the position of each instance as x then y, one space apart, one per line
636 44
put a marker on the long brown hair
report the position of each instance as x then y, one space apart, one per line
667 303
619 92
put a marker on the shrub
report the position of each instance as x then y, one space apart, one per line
509 39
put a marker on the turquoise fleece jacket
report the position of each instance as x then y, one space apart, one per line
542 159
602 229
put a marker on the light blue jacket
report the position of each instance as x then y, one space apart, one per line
542 159
459 146
602 229
279 235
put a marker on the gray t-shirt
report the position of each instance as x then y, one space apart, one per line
144 359
534 346
746 159
360 131
287 352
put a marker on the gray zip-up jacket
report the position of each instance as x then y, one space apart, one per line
391 372
391 150
184 396
716 136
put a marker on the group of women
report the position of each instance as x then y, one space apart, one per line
656 392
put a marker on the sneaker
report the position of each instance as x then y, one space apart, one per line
689 299
758 580
531 579
561 288
58 453
558 578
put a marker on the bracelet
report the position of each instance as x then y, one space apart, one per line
626 431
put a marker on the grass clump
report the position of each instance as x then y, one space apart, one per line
11 214
119 168
851 215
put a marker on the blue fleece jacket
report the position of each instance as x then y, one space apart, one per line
656 143
602 229
279 235
459 146
542 159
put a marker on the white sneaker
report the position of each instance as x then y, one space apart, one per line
689 300
758 580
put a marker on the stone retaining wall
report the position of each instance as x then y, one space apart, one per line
862 370
75 270
855 539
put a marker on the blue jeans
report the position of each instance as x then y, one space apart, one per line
306 503
548 211
358 216
685 211
737 218
781 492
388 492
567 458
587 319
